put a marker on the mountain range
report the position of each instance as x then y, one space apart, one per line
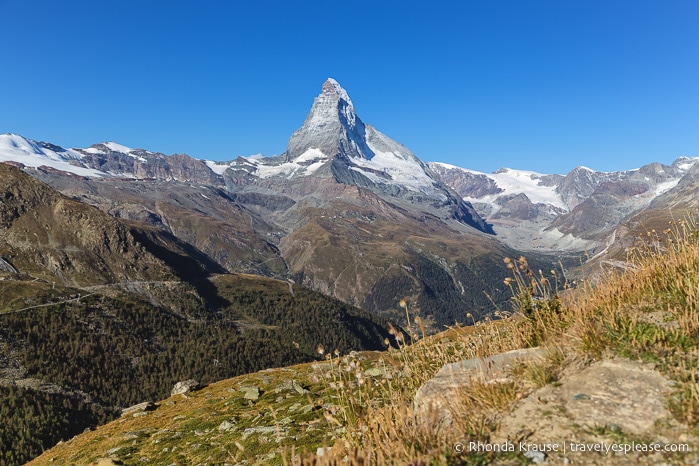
354 214
350 212
157 265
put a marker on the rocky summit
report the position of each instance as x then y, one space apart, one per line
332 127
335 144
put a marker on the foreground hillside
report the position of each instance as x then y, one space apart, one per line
619 367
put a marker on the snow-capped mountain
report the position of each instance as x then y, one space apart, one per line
105 160
577 211
486 188
334 141
335 144
527 210
352 213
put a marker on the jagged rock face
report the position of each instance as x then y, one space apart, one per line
685 195
105 160
664 211
579 211
144 164
517 206
581 182
466 183
616 196
208 218
331 127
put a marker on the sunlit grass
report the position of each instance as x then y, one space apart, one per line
609 317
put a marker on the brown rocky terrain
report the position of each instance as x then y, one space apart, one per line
50 236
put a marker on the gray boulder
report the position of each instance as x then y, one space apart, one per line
139 408
433 401
184 387
250 393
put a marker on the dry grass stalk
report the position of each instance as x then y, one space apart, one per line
662 273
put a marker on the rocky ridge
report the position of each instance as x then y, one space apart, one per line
58 239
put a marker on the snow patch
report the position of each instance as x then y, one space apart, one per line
527 182
14 148
662 188
217 167
513 182
684 166
113 146
330 83
312 168
399 170
311 155
289 169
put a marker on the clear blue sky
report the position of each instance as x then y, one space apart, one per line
536 84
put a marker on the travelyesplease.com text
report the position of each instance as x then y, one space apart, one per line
572 447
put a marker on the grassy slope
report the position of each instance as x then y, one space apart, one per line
366 403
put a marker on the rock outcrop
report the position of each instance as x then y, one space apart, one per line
434 400
184 387
138 408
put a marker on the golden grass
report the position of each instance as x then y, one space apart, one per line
611 316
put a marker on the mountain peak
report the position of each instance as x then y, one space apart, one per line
333 88
330 86
332 126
